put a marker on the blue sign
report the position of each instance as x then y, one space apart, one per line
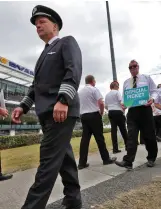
15 66
20 68
136 96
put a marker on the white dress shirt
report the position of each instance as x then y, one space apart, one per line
157 111
142 80
113 100
89 97
52 39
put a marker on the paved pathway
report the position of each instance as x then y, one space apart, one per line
13 192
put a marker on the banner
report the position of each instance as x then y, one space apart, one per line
136 96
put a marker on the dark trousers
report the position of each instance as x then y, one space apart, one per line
141 138
117 119
141 119
157 120
56 156
92 124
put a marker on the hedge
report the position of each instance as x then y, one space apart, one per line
7 142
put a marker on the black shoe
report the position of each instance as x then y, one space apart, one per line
158 139
116 151
64 202
110 161
80 167
5 177
150 163
75 206
124 164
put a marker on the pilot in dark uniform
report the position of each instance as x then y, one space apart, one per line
57 77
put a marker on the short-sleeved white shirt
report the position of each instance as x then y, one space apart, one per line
157 111
89 97
113 100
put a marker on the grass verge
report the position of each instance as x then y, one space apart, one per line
146 197
23 158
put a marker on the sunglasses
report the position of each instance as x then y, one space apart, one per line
132 66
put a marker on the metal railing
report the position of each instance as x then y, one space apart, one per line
20 127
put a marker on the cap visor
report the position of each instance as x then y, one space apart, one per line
38 14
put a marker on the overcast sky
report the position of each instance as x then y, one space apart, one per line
136 30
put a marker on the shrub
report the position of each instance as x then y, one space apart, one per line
7 142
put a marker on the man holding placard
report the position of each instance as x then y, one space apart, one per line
139 92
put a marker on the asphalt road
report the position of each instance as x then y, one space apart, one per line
109 189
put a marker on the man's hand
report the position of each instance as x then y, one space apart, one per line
3 112
101 113
150 102
123 107
60 112
16 114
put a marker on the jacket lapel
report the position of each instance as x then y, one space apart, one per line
43 55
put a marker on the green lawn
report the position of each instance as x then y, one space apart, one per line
23 158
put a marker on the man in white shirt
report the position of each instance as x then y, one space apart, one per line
116 115
91 110
140 119
157 114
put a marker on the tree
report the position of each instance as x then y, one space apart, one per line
105 119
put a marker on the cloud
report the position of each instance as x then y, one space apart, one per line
135 26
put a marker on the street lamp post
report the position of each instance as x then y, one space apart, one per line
111 43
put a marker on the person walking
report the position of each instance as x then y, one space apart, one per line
91 110
57 77
140 118
116 115
4 113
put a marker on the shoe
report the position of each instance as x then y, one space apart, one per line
110 161
78 206
5 177
116 151
75 205
80 167
158 139
124 164
64 201
150 163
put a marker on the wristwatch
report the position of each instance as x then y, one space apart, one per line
63 100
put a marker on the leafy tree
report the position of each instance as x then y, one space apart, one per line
105 119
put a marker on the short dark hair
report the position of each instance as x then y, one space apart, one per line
133 61
158 85
114 84
89 79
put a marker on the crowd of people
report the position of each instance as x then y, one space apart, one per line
58 105
145 119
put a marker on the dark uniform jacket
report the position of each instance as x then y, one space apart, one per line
57 72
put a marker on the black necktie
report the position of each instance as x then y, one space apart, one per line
134 82
46 45
43 52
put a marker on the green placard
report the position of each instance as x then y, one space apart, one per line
136 96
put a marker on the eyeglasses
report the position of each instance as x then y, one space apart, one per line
132 66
